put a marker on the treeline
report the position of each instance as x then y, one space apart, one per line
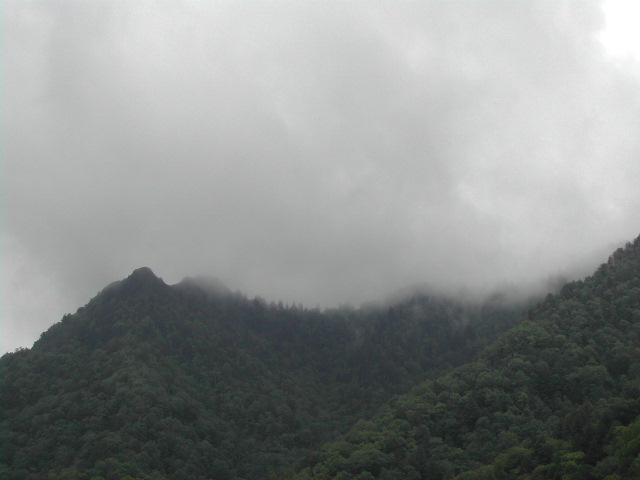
192 382
557 397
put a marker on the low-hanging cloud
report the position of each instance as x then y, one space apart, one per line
320 153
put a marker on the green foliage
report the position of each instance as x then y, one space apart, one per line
155 382
151 381
556 397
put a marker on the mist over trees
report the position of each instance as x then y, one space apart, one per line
315 152
555 397
191 381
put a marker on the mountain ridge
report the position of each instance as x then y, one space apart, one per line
187 381
557 396
236 373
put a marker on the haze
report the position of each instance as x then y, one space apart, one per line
314 152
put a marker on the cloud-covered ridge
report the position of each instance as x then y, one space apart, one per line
312 152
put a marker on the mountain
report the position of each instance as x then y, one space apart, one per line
557 397
191 381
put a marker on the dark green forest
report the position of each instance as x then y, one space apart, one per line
557 397
191 381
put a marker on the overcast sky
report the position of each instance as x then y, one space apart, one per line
322 153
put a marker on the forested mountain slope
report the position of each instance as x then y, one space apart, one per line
192 382
557 397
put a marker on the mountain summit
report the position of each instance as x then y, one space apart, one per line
141 280
188 382
143 274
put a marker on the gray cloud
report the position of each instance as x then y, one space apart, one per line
312 152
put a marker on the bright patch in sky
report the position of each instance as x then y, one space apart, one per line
621 36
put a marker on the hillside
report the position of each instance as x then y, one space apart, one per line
191 381
557 397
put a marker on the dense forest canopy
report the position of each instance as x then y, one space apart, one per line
191 381
557 397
